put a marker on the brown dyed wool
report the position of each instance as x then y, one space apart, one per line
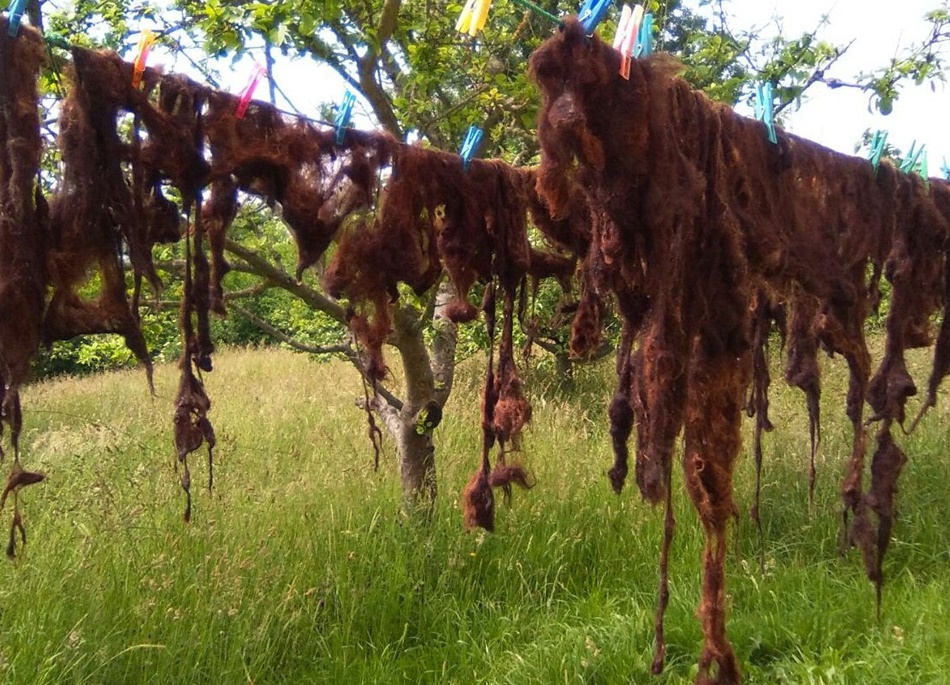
697 214
23 238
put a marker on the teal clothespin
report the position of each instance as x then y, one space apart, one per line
764 110
472 138
910 162
878 143
343 116
591 13
922 169
645 40
916 163
15 15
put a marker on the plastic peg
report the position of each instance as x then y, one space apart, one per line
343 116
945 169
764 110
470 145
878 144
909 164
16 14
629 43
146 41
465 18
248 92
625 15
591 13
479 17
645 42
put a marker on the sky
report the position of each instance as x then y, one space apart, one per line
837 118
834 118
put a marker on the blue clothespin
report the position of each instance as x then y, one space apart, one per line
645 41
591 13
764 111
472 138
343 116
16 13
910 162
945 170
878 143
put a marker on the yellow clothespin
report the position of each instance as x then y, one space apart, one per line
473 17
141 56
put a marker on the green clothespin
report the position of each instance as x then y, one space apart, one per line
909 163
878 143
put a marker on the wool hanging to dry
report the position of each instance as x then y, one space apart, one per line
708 235
392 213
24 236
705 236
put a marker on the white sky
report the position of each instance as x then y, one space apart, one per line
837 118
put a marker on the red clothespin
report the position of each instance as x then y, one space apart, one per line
141 56
248 92
628 40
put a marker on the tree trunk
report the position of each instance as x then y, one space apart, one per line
429 375
417 465
429 372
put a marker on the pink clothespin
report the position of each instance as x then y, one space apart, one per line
622 26
626 40
146 42
248 92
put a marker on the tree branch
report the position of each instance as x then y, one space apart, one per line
261 267
367 66
344 349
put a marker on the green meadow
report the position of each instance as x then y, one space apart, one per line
302 567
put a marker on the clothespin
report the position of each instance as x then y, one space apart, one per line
645 41
146 41
945 169
625 13
764 111
473 17
248 92
878 143
472 138
15 14
343 116
591 13
916 163
922 169
910 162
627 31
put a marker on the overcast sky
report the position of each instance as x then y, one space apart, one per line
837 118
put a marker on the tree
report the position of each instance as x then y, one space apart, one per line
415 74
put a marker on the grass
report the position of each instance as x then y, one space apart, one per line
302 568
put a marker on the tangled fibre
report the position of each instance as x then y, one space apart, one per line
681 213
706 234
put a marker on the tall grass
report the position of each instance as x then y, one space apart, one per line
302 568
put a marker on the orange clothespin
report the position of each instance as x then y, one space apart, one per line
248 92
626 40
141 56
473 17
